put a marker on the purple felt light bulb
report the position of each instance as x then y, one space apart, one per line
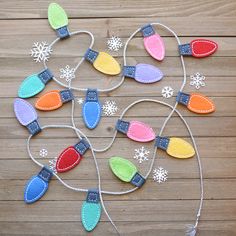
26 115
143 73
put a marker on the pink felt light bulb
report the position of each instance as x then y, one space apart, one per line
143 73
136 130
153 43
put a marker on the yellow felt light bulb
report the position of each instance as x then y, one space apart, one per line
175 147
103 62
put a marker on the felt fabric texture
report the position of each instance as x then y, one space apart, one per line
35 189
154 45
91 114
24 111
146 73
179 148
90 215
106 64
57 16
122 168
30 86
200 104
49 101
68 159
203 47
140 132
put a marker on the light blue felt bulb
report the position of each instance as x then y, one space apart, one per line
91 210
37 186
91 109
34 84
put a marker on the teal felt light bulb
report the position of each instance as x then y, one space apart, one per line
91 210
34 84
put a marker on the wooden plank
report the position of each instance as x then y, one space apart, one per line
209 126
137 111
213 26
179 189
106 8
20 49
205 228
133 211
209 147
212 168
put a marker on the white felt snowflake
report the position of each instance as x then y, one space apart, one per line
109 108
52 164
197 80
141 154
41 51
160 175
67 73
43 152
80 100
167 92
114 43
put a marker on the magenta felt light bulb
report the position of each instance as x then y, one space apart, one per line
136 130
153 43
26 115
143 73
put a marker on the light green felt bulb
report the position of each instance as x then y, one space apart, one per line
31 86
57 16
122 168
90 215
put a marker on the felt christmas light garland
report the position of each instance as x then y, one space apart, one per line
125 170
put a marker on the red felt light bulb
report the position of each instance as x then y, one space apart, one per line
71 156
198 48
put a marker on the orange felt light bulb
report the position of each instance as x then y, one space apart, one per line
54 99
196 102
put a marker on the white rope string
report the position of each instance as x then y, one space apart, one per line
93 150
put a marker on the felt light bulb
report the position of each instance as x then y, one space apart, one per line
103 62
196 102
153 43
71 156
175 147
26 115
198 48
143 73
136 130
54 99
91 109
37 186
91 210
34 84
58 20
126 171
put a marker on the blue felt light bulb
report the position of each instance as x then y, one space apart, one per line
37 186
91 210
34 84
91 109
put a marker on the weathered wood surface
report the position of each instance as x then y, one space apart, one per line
163 209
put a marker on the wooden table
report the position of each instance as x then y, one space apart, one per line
156 209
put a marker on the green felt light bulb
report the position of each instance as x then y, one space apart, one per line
126 171
58 19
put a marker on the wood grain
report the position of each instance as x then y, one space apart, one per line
163 209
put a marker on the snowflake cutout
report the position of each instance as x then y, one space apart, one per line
67 73
43 152
197 80
52 165
167 92
141 154
41 51
160 175
114 43
109 108
80 100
